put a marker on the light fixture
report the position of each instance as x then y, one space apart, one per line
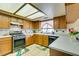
36 15
10 7
26 10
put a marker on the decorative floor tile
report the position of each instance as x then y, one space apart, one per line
33 50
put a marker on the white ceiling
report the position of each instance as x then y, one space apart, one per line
10 7
51 9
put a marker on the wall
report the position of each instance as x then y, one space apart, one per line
4 32
72 11
74 25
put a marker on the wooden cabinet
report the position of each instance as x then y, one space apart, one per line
41 39
54 52
27 24
45 40
29 40
72 13
5 45
4 22
37 39
30 25
36 25
60 22
56 23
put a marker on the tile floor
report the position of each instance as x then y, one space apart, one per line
33 50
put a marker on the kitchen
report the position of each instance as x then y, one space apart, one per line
30 28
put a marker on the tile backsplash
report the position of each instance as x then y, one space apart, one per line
4 32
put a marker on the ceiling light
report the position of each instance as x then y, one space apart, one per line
36 15
26 10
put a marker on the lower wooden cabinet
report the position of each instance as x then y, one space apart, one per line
54 52
45 40
37 39
5 45
41 39
29 40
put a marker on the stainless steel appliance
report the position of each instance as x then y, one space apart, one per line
52 39
18 40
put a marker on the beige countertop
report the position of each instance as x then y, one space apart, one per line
66 44
5 36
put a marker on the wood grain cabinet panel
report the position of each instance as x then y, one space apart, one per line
37 39
54 52
29 40
60 22
41 39
45 40
5 45
25 24
72 13
5 22
35 25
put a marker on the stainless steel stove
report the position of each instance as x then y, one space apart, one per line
18 40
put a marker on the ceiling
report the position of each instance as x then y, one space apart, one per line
35 11
51 9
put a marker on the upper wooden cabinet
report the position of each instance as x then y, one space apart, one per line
36 25
20 21
60 22
27 24
72 12
4 22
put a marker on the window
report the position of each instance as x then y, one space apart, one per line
47 26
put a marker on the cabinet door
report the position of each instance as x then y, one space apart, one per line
56 23
26 24
72 13
36 38
39 39
45 40
54 52
5 22
29 40
5 46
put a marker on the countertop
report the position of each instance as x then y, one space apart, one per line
47 34
5 36
65 44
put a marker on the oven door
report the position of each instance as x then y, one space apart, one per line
19 43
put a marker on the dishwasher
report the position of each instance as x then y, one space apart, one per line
51 39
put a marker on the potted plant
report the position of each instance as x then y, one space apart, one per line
74 34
